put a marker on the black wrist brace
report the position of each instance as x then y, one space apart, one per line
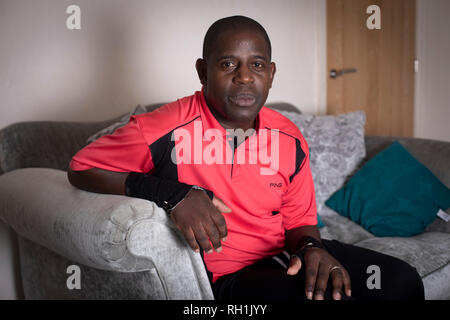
165 193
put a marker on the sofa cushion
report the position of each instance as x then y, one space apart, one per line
427 252
337 148
439 225
392 195
120 123
436 284
340 228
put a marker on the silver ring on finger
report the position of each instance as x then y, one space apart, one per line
335 268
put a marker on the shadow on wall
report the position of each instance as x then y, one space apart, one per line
110 70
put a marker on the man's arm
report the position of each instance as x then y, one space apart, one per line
197 216
294 235
98 180
116 164
307 251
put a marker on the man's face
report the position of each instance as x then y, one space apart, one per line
237 76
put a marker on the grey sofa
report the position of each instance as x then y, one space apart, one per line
127 248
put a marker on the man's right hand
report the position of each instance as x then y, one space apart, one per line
201 221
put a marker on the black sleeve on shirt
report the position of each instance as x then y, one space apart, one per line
165 193
299 157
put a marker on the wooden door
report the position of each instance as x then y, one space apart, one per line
383 84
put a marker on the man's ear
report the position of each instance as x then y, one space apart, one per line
200 65
273 70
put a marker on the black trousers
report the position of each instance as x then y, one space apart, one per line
268 280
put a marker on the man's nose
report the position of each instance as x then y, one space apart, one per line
243 75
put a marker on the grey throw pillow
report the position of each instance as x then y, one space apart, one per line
337 149
123 121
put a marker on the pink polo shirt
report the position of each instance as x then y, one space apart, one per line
266 181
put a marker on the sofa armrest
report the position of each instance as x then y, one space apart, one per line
108 232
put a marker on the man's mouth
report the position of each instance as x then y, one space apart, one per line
243 99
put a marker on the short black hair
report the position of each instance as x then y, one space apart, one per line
233 22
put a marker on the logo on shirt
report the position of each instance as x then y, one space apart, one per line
275 185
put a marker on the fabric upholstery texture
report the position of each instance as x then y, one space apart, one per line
427 252
342 229
122 121
108 232
44 276
337 149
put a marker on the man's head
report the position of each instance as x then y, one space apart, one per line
226 24
236 70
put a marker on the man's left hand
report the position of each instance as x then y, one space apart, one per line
320 265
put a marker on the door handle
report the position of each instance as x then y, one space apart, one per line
336 73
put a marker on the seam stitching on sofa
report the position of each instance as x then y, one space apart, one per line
438 269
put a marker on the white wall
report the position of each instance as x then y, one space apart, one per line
131 52
432 107
137 52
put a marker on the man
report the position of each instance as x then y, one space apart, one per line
255 218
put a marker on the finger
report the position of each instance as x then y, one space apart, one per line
190 239
294 266
202 239
321 282
220 224
337 282
213 233
311 270
220 205
347 283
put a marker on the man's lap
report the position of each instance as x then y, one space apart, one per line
268 280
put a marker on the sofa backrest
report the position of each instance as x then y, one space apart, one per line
43 144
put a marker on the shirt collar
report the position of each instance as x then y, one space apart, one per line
210 122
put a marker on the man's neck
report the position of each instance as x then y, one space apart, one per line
243 127
232 126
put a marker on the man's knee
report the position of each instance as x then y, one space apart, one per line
404 283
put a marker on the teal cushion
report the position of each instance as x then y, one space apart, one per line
392 195
320 224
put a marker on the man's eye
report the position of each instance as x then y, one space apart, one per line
227 64
258 65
